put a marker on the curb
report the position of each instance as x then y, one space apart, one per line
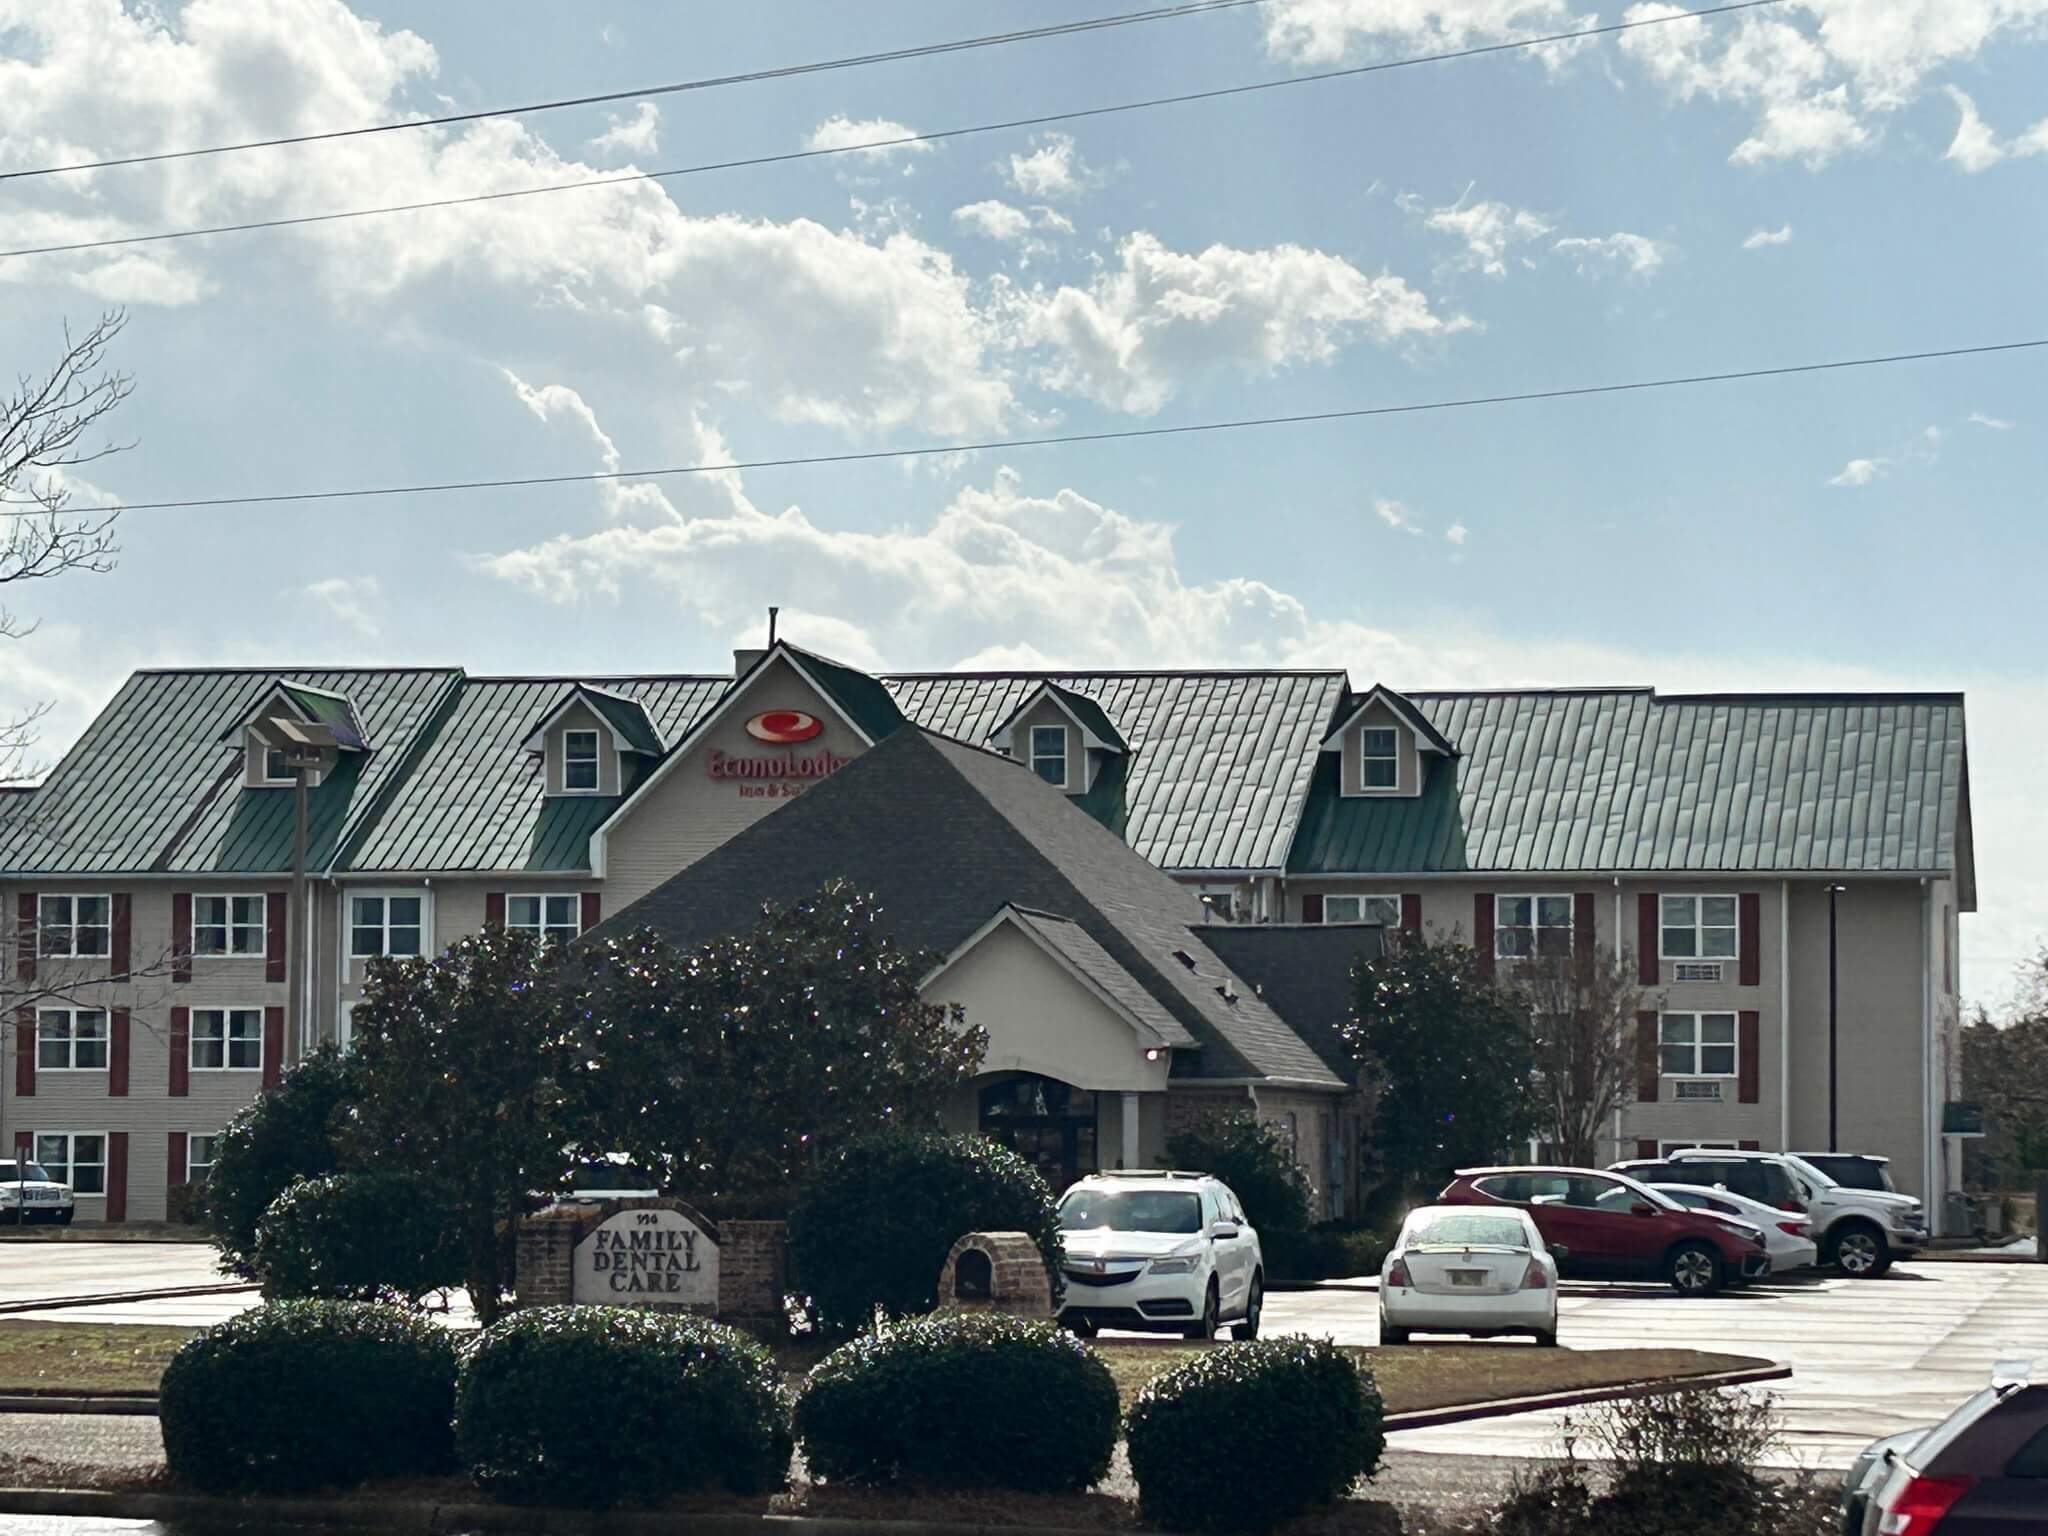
426 1519
114 1298
135 1406
1502 1407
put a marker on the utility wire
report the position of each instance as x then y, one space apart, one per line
786 157
1122 435
782 72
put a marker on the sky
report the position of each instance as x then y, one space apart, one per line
1801 182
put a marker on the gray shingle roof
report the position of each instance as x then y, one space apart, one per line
947 835
1072 942
1622 779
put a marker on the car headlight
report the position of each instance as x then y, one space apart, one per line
9 1196
1184 1265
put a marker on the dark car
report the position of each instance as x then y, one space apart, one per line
1854 1170
1982 1471
1756 1178
1611 1225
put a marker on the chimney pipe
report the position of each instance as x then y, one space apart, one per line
772 611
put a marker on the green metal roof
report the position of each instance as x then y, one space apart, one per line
627 716
332 710
862 699
1624 780
151 787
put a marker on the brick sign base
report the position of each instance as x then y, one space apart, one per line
749 1259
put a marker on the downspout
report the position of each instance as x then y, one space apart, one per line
1619 1150
1784 1015
1930 1129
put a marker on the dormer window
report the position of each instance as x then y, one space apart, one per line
579 762
1379 758
277 767
1049 754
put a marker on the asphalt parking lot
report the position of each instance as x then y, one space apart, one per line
1868 1357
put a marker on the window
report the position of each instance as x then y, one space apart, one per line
75 925
227 1039
384 925
1697 1044
1379 760
1049 754
579 761
1222 903
227 925
71 1040
199 1154
1697 928
551 917
1532 925
76 1158
1384 910
277 767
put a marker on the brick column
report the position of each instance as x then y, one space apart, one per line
753 1275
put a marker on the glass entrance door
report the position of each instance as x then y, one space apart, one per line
1050 1124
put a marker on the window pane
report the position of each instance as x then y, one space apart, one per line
581 745
522 911
1384 910
1514 942
249 909
1678 911
1718 943
405 910
366 943
1679 942
561 911
1677 1028
207 1055
368 910
1717 1028
1554 912
53 1046
1381 773
245 1024
1341 909
54 911
404 941
92 909
1717 1060
1717 911
1512 911
209 911
1677 1060
580 775
54 1153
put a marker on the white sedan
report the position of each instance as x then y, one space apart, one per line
1788 1235
1455 1269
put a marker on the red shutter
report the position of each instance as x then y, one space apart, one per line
1411 913
1582 927
276 906
1748 1048
494 909
24 1053
117 1176
1648 972
120 942
1312 909
174 1163
1749 960
1646 1146
25 936
117 1053
24 1148
181 1052
181 936
1647 1072
1750 1146
1482 930
273 1046
593 911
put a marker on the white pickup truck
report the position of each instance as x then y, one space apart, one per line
1860 1230
28 1194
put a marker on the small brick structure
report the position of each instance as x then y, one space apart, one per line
748 1260
996 1272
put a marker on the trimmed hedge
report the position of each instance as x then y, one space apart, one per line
309 1394
1328 1252
1245 1436
362 1237
873 1227
283 1134
596 1406
963 1400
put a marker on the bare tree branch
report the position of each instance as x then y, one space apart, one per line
1582 1026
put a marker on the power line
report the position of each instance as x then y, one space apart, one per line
1038 121
1303 418
782 72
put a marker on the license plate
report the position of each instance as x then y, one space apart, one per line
1468 1277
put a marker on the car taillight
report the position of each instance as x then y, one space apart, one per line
1398 1275
1795 1228
1919 1506
1534 1279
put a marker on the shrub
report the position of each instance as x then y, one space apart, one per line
873 1227
1245 1436
595 1406
964 1400
309 1394
1324 1253
360 1236
284 1133
1685 1462
1255 1160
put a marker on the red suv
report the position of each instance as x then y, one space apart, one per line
1606 1225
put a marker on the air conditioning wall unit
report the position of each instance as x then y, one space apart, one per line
1708 1091
1697 970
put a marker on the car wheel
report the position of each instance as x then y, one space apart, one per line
64 1218
1693 1269
1393 1335
1081 1327
1546 1340
1248 1326
1859 1250
1206 1328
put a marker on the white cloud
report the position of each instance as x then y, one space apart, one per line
1638 254
1860 472
1052 169
1760 238
1157 316
1995 423
352 599
993 219
1488 230
1395 516
1325 31
639 134
866 139
1457 533
1976 147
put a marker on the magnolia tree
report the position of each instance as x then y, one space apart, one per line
729 1067
1583 1046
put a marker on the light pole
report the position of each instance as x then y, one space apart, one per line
308 748
1834 994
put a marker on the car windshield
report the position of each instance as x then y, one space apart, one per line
33 1173
1819 1177
1131 1210
1464 1231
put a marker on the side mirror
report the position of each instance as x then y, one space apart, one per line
1559 1252
1642 1208
1223 1231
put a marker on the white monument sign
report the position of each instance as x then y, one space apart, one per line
648 1257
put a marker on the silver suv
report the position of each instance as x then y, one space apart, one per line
1859 1231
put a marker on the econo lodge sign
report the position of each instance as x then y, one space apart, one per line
771 773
